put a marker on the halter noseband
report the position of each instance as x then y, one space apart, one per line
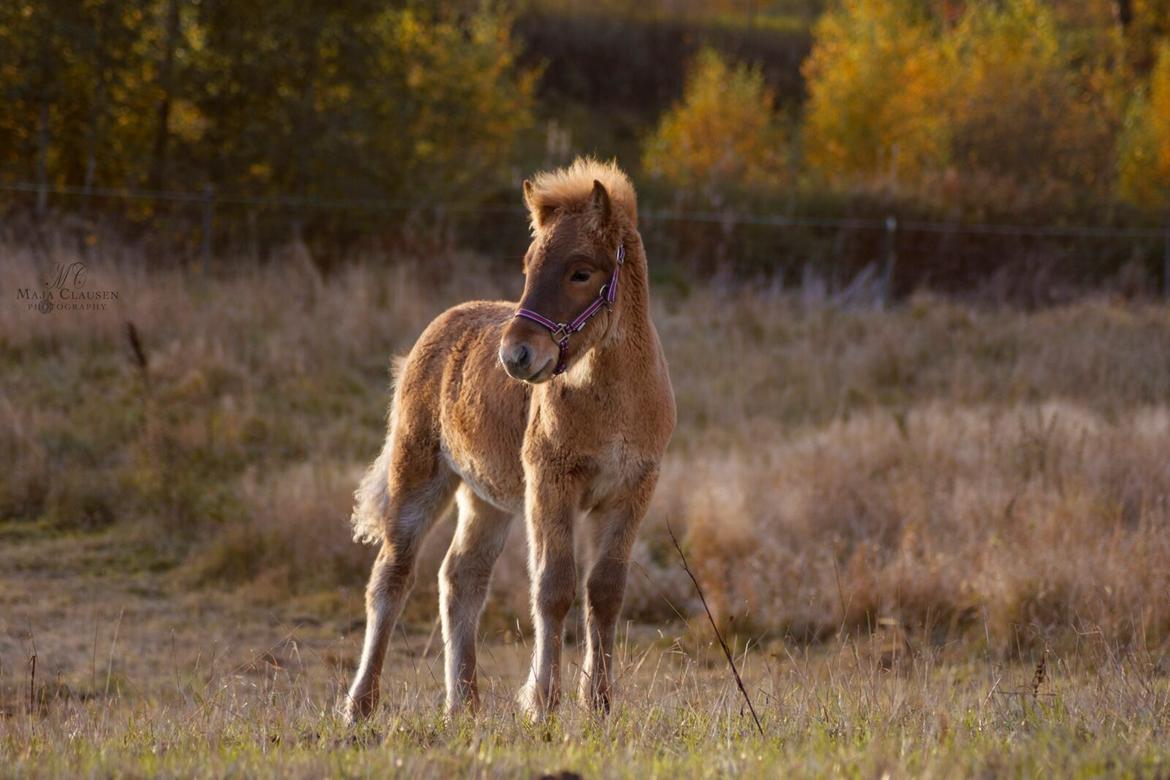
560 331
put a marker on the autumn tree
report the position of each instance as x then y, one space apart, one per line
1144 151
990 107
1030 120
359 100
875 94
724 135
448 100
353 98
75 79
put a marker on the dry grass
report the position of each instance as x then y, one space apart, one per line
139 679
1025 524
895 508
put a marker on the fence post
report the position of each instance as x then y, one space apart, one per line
208 224
888 258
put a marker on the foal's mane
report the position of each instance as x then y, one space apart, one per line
568 189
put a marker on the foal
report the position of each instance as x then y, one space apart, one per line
490 411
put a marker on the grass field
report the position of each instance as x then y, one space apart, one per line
136 678
937 535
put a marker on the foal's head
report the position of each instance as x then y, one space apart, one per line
572 258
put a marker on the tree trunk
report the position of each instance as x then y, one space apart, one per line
97 113
158 157
42 160
1123 12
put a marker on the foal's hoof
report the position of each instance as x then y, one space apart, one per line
597 701
355 709
535 705
462 709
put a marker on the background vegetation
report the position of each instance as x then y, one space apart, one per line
370 125
896 514
935 526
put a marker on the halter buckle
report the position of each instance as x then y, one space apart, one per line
561 334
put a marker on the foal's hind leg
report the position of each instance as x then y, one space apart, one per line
419 490
463 586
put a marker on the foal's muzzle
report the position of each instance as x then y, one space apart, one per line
522 362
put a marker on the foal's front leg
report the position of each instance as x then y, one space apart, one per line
549 511
614 530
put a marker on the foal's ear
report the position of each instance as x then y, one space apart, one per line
599 203
540 214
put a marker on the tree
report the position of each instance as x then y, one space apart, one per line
338 99
875 94
448 101
724 135
76 82
992 106
1031 120
358 100
1144 149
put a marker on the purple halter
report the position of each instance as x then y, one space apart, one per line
560 331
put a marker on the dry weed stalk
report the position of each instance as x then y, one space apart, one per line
718 635
32 684
1041 675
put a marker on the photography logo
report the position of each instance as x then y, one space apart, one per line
66 289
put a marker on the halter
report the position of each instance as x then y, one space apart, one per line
560 331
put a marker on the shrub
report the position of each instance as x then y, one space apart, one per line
723 136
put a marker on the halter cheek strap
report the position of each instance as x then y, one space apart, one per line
561 331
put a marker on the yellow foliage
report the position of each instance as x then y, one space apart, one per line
993 108
723 135
1144 164
1025 123
468 98
875 93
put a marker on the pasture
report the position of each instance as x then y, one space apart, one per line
937 537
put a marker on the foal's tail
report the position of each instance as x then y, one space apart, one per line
371 501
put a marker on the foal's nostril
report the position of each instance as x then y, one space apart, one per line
517 358
523 356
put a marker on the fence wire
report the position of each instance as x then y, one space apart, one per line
896 254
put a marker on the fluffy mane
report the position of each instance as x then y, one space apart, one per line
568 189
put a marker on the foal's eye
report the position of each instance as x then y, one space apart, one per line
580 276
